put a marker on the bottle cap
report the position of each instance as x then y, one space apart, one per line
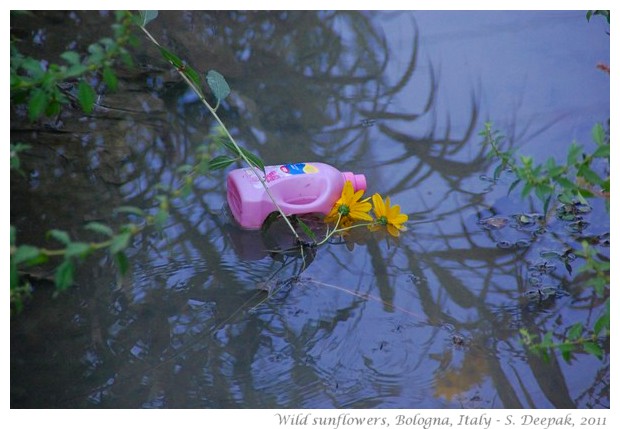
358 180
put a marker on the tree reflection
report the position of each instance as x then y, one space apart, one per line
209 318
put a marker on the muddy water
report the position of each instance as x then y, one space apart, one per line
207 317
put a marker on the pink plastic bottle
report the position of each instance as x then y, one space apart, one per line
310 187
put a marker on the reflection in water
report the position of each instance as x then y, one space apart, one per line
211 316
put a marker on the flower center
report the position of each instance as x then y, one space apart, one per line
382 220
344 209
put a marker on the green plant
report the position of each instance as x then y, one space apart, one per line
39 87
572 184
574 179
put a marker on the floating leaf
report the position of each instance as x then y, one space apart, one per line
147 16
86 96
218 85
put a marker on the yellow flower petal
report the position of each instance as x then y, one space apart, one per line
354 208
388 216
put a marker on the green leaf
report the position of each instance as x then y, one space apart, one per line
129 210
160 219
567 351
526 190
72 57
598 134
218 85
33 67
64 275
565 199
76 70
147 16
601 152
220 162
574 151
513 185
574 332
15 150
587 173
122 262
110 79
37 103
99 228
53 108
192 75
547 340
255 161
86 96
77 249
59 235
120 242
97 54
543 191
593 348
307 230
567 185
498 171
184 169
602 323
25 253
174 60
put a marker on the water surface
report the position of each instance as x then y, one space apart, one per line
427 321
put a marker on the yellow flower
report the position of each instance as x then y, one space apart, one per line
349 207
388 217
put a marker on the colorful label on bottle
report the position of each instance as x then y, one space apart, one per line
273 173
299 168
